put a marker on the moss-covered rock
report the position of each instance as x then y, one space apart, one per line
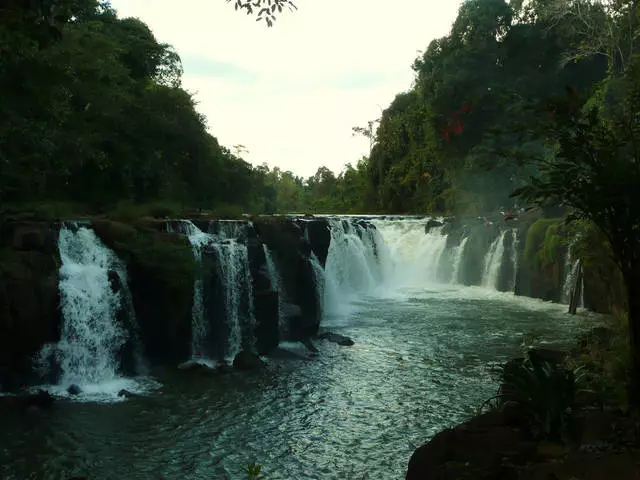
162 271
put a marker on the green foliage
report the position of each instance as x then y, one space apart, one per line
253 471
544 242
607 364
227 211
545 392
165 257
264 9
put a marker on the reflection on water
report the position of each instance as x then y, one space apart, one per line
422 361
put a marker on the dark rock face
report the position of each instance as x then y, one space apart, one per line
161 272
319 235
29 297
266 310
285 238
336 338
432 224
246 360
476 449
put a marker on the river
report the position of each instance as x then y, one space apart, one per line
424 359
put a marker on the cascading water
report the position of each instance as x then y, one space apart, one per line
571 267
277 285
319 279
457 260
199 325
515 244
233 269
493 261
93 334
235 291
352 266
413 257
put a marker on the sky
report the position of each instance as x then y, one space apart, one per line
292 93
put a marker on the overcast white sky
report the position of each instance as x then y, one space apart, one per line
291 93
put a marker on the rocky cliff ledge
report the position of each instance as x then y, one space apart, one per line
161 272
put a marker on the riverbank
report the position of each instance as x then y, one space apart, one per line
558 415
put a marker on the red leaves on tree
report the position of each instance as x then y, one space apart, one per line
455 126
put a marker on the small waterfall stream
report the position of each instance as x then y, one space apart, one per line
457 260
231 263
98 341
493 262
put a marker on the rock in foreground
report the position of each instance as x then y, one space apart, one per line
336 338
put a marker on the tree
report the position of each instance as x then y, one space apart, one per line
264 9
596 172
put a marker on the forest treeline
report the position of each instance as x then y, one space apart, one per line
93 113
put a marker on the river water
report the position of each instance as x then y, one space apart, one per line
424 359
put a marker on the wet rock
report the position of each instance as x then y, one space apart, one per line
553 357
477 448
247 361
126 394
432 224
74 389
319 235
114 281
336 338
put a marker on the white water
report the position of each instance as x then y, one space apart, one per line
319 280
233 264
278 286
493 262
352 267
515 244
571 271
413 257
457 260
91 337
233 270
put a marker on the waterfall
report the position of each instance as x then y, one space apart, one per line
571 267
457 260
237 295
352 267
92 333
319 280
493 261
277 285
515 244
234 287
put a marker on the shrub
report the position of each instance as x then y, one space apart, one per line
227 211
545 392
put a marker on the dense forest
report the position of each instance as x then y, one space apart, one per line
94 114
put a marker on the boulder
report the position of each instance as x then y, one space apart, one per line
126 394
247 361
478 449
74 389
432 224
336 338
